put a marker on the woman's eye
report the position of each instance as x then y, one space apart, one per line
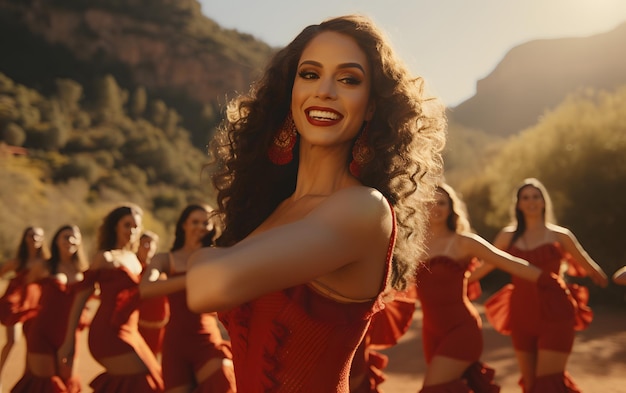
307 75
350 80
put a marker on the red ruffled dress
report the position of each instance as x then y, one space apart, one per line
20 301
451 325
299 340
538 320
385 330
114 332
191 341
45 335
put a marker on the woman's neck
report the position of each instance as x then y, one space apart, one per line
321 173
534 223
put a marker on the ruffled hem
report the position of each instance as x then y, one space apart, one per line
20 301
498 310
135 383
30 383
480 378
584 314
391 323
555 383
220 381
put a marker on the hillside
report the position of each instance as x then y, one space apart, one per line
167 46
538 75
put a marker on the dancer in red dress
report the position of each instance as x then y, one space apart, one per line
114 339
154 312
58 277
542 341
332 154
451 332
19 302
195 357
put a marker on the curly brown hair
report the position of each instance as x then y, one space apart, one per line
406 133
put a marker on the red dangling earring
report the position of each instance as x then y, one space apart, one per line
281 149
361 153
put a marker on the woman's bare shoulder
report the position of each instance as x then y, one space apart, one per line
359 204
559 230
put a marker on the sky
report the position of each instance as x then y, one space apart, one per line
451 43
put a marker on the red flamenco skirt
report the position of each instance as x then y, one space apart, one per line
555 383
220 381
374 363
498 310
134 383
30 384
477 379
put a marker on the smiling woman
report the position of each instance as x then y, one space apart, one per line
340 148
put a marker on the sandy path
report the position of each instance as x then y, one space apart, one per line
597 364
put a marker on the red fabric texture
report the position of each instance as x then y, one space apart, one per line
451 325
480 378
540 315
477 379
135 383
48 327
153 311
32 384
20 300
298 340
114 331
191 340
368 366
555 383
386 328
47 330
391 323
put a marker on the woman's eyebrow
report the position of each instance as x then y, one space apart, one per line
342 65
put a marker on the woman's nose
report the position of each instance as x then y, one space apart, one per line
326 88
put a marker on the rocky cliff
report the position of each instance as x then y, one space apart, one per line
538 75
167 46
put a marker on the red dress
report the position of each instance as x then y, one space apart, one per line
20 301
153 315
451 325
519 309
536 319
386 328
114 331
45 335
298 340
191 340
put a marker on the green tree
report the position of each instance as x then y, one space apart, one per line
138 102
110 99
13 134
69 94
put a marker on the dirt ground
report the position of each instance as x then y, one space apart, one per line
598 363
